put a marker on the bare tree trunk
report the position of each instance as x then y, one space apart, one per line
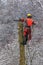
22 50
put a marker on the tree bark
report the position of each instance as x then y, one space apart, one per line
22 49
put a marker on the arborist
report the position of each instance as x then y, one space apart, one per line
27 29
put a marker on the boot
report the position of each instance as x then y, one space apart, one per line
25 40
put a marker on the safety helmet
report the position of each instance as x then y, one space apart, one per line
28 15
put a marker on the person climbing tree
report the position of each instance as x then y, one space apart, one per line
27 29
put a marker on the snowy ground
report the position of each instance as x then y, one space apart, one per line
9 46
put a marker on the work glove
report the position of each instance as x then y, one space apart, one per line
21 19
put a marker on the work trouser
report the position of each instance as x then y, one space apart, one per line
27 33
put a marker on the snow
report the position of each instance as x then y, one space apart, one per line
9 45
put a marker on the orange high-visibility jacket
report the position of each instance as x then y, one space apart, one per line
29 21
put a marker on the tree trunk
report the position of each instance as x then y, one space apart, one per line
22 49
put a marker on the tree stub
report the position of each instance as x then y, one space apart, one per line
22 48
